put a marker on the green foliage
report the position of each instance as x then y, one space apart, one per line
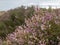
50 9
29 12
16 18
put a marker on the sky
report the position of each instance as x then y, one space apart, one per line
10 4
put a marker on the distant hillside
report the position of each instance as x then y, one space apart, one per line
19 12
3 15
2 12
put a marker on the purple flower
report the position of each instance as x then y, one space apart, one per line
48 17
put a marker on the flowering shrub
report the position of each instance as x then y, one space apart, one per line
40 29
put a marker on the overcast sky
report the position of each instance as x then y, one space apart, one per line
8 4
